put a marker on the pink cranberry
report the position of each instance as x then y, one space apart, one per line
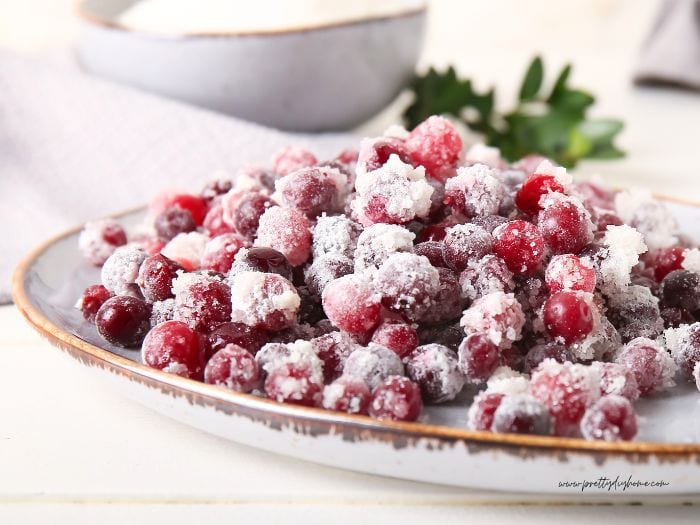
611 418
123 320
466 243
569 273
565 226
347 156
93 298
567 390
482 409
309 190
156 276
202 302
297 383
352 304
286 230
237 334
374 153
535 186
173 221
265 260
175 348
568 315
264 300
242 209
549 350
396 398
617 379
214 224
232 367
433 251
326 269
520 245
347 394
400 337
220 251
333 349
478 358
681 288
436 145
522 414
435 369
216 188
291 159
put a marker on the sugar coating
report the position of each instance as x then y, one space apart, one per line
162 311
691 260
377 242
324 174
505 380
401 188
187 248
286 230
336 391
623 245
638 208
488 274
658 374
616 379
91 242
558 172
566 271
636 311
292 158
678 340
407 282
478 189
121 269
254 300
436 369
373 364
191 306
480 153
273 355
498 316
335 234
396 131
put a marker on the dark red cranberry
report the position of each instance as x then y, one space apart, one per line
175 348
400 337
522 414
465 243
450 335
93 298
232 367
376 155
310 191
325 269
569 316
435 369
550 350
674 316
123 320
245 210
681 288
266 260
173 221
520 245
194 204
535 186
666 260
396 398
204 304
478 358
433 250
252 339
114 234
333 349
488 222
156 276
215 188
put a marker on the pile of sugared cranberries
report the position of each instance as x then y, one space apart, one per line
390 277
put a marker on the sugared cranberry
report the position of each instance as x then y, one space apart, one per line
489 222
264 260
333 349
681 288
92 299
435 232
476 190
156 277
435 369
400 337
535 186
197 206
374 153
286 230
490 274
686 350
175 348
673 316
611 418
549 350
291 159
396 398
123 320
666 260
298 383
498 316
466 243
520 245
347 156
651 365
172 221
99 239
604 219
407 283
482 409
214 224
220 251
201 301
433 251
352 304
478 358
347 394
569 273
238 334
616 379
242 209
565 225
450 335
522 414
232 367
310 190
325 269
436 145
215 188
373 364
568 315
266 301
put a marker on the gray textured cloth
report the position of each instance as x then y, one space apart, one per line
73 148
671 53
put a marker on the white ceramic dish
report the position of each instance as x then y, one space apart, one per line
323 78
436 449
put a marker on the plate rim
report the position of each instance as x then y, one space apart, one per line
319 421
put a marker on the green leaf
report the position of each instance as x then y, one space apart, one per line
573 100
602 130
609 151
560 84
579 144
533 80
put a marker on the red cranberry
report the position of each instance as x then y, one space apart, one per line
687 355
490 274
565 226
374 153
352 304
569 273
408 283
175 348
220 251
617 379
373 364
93 298
286 230
478 358
156 276
611 418
172 221
123 320
333 349
242 211
605 219
520 245
651 365
215 188
310 191
202 302
535 186
436 145
214 224
400 337
238 334
347 156
291 159
549 350
347 394
482 409
232 367
298 383
681 288
466 243
264 260
197 206
266 301
522 414
569 316
396 398
666 260
434 251
436 232
325 269
435 369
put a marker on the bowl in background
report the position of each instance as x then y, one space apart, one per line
321 78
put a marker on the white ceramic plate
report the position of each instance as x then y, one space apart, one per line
436 449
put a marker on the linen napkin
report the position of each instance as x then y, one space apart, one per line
671 53
74 148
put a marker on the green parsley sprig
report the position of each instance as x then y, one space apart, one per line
550 122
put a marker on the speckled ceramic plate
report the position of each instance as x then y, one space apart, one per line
436 449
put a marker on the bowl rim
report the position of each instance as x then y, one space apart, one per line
86 15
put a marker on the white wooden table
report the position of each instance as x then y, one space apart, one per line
72 451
